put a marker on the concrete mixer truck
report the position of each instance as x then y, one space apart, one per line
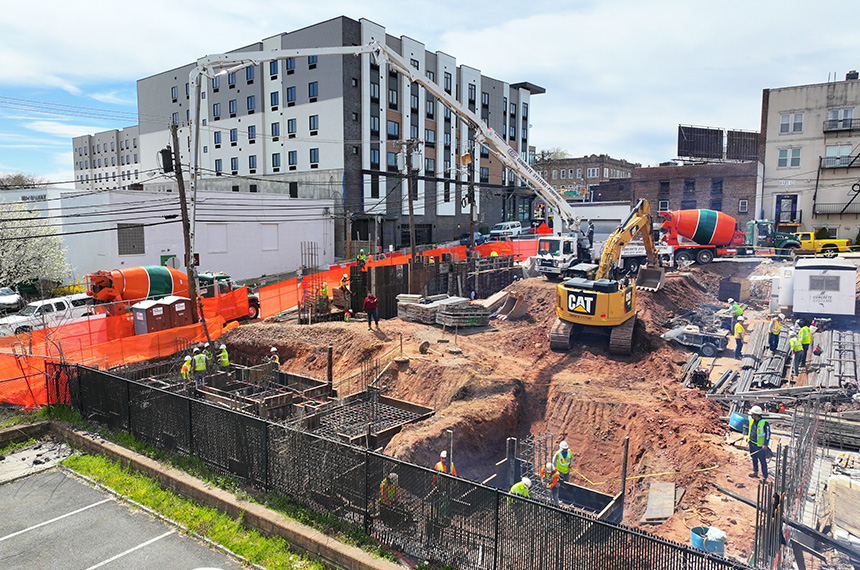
702 235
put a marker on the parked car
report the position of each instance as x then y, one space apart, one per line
10 301
479 238
506 229
47 313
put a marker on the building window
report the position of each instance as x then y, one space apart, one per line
662 205
447 138
392 162
276 160
218 166
374 186
313 89
717 187
374 158
430 136
484 175
790 123
392 97
291 94
414 63
315 155
393 130
554 174
473 92
314 122
290 65
513 133
252 162
293 158
175 118
413 99
252 103
591 172
429 165
252 133
174 93
374 125
716 204
513 109
216 111
231 107
563 174
430 108
525 110
291 126
234 164
312 62
447 83
374 91
249 74
688 204
839 119
579 173
274 98
231 80
743 206
485 99
216 83
130 239
837 155
431 75
276 129
690 186
234 136
788 158
273 68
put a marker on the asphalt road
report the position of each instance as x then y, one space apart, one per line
53 520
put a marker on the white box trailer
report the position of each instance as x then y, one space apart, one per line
824 286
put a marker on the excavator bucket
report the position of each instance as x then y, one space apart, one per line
650 278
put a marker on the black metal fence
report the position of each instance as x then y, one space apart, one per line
424 514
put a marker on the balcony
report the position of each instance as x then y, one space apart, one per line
831 125
837 208
841 161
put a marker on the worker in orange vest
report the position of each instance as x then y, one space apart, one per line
550 477
442 465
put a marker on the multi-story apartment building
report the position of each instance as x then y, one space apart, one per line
332 127
809 144
575 178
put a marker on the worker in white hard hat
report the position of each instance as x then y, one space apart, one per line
758 436
774 330
208 352
224 358
739 337
561 461
550 477
795 347
273 356
361 258
344 281
522 487
185 371
199 367
443 464
736 308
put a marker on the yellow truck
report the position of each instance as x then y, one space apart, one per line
826 247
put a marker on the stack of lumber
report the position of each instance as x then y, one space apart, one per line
427 312
463 316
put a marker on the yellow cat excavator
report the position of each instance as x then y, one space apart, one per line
598 298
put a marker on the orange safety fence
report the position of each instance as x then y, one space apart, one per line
231 305
22 376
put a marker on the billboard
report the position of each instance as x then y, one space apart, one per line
741 145
700 142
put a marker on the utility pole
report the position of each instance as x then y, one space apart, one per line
190 268
412 189
472 198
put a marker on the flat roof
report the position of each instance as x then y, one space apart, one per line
833 264
530 87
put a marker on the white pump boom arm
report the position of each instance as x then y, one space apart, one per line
211 65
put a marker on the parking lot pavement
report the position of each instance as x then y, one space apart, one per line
54 520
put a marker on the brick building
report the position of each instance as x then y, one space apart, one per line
728 187
575 177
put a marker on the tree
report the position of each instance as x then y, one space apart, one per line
30 250
20 181
554 153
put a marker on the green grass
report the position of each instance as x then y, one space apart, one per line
271 552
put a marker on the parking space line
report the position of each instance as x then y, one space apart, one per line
130 550
35 526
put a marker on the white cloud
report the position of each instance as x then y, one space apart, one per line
115 97
61 129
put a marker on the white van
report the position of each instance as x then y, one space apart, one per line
47 313
506 229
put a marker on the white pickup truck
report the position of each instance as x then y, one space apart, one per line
47 313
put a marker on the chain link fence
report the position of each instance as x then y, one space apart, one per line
424 514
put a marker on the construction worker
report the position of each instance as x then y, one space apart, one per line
796 349
739 337
185 371
324 290
344 281
561 461
208 353
805 336
273 356
389 493
371 304
550 477
494 254
224 358
442 465
361 258
199 367
758 436
737 310
520 489
775 327
589 233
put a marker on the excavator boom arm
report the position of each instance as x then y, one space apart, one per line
637 222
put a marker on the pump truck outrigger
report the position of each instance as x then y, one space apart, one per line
599 298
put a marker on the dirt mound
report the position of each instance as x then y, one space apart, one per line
508 383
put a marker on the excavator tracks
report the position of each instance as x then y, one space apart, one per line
621 338
559 335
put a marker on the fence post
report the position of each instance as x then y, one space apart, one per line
190 430
496 533
128 406
366 492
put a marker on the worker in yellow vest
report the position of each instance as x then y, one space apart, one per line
224 358
739 337
774 330
561 461
199 367
796 349
521 489
805 337
185 371
758 436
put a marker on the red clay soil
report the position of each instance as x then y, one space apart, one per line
508 383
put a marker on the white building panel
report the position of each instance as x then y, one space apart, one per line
824 287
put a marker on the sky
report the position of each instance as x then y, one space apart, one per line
620 75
